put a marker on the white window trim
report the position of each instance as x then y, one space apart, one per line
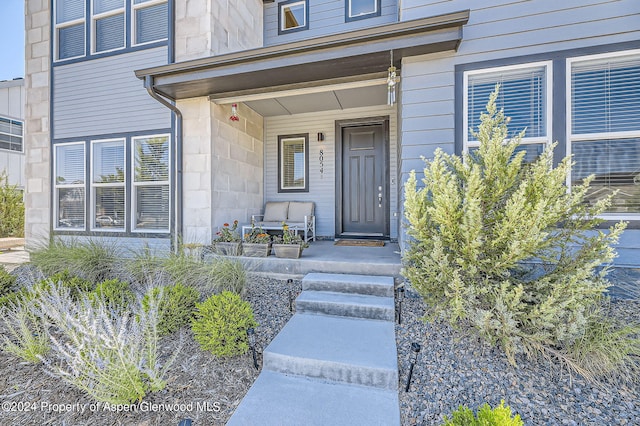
135 184
283 19
95 17
11 134
56 41
548 65
57 186
304 163
134 29
570 137
375 10
93 185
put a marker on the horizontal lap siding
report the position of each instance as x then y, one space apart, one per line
498 30
325 17
103 96
322 190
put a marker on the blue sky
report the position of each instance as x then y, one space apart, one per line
12 36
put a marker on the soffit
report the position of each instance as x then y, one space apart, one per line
324 60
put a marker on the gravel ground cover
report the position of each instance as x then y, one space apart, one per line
454 369
200 386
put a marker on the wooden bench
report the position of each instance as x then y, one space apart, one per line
299 215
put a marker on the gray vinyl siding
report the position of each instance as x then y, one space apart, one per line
322 187
500 32
103 96
325 17
12 106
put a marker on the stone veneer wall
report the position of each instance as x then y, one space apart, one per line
222 159
37 139
206 28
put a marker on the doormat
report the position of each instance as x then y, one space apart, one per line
360 243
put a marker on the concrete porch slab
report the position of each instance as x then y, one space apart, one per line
324 256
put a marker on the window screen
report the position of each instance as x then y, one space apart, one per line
69 186
151 183
107 181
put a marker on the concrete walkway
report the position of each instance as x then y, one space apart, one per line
10 259
334 362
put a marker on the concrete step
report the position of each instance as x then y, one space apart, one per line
345 304
345 283
281 400
347 350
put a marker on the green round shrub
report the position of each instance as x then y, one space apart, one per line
498 416
221 323
175 307
114 293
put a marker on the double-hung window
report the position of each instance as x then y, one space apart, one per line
525 96
10 134
604 128
149 21
69 185
151 206
108 185
108 23
69 19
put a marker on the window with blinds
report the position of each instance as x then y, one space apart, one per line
69 28
150 21
69 185
10 134
605 127
524 96
293 156
108 25
151 208
108 185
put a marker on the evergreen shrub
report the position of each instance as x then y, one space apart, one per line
176 306
499 416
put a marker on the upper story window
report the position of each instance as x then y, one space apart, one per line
525 96
108 25
361 9
10 134
604 128
293 16
69 18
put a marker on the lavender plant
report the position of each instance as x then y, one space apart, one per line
111 356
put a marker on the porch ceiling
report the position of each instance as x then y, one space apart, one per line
322 61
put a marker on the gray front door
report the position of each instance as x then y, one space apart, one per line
365 203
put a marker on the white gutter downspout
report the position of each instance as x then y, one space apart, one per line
177 231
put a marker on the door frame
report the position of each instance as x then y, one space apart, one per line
340 125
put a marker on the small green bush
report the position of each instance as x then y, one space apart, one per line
499 416
176 305
114 293
221 323
74 283
11 209
7 282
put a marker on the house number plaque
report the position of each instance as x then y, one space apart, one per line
321 159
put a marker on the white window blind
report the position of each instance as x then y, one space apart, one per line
522 96
70 186
108 25
69 28
292 163
10 134
151 21
69 10
605 128
151 184
108 185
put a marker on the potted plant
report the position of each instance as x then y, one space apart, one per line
290 244
257 243
228 240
